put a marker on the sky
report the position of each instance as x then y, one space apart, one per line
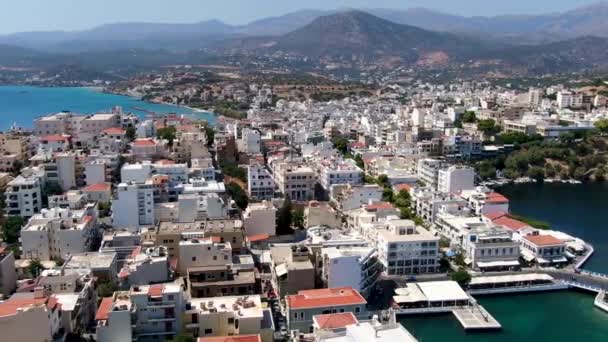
45 15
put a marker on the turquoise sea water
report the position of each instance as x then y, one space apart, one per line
580 210
22 104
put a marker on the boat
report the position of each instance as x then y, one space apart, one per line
601 301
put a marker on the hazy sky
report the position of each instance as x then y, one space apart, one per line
31 15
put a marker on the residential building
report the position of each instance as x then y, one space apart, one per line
8 274
321 214
295 181
221 280
202 252
57 233
333 172
291 269
428 172
133 206
144 313
26 318
303 306
455 179
355 267
405 248
545 249
23 196
260 185
345 327
484 201
349 197
146 266
234 316
260 218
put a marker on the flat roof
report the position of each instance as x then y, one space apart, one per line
320 298
510 278
433 291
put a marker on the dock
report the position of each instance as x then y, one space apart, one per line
475 317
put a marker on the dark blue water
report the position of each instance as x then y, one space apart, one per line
21 105
580 210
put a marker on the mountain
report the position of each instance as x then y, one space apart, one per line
280 25
360 35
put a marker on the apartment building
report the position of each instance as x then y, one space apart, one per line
428 171
145 266
292 269
221 280
234 316
350 197
303 306
23 196
333 172
202 252
144 313
133 206
404 248
455 179
26 318
260 185
260 218
295 181
544 249
491 248
355 267
57 233
484 201
321 214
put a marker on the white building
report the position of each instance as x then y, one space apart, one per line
484 201
339 172
26 318
348 197
144 313
295 182
428 171
250 141
133 206
146 266
356 267
405 248
23 196
260 185
201 252
66 170
455 179
566 99
260 218
57 233
8 274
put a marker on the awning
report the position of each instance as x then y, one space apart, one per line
497 263
528 256
560 260
543 261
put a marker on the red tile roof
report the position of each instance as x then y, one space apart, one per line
240 338
10 307
543 240
155 290
104 308
495 197
335 321
114 131
98 187
510 223
259 237
321 298
53 303
496 215
379 205
144 142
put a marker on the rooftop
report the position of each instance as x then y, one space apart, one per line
320 298
543 240
240 338
334 321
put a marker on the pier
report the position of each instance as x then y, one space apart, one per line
476 317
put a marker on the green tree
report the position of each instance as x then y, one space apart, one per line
106 289
210 135
130 133
359 161
297 218
341 144
104 209
487 126
53 189
238 195
167 133
35 267
11 230
284 218
536 172
461 276
469 117
602 125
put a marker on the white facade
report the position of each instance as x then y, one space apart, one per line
343 172
197 253
455 179
66 170
260 218
356 267
96 171
133 206
569 100
23 196
260 185
349 197
250 141
428 171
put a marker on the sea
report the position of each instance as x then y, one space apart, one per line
20 105
577 209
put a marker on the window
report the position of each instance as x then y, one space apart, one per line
208 331
193 258
357 309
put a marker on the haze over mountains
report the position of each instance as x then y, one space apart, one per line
559 42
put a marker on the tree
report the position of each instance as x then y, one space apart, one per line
130 133
359 162
167 133
53 189
104 209
469 117
461 276
536 172
297 218
35 267
602 125
210 135
106 289
12 229
341 144
284 218
487 126
238 195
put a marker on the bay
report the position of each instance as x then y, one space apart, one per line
23 104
